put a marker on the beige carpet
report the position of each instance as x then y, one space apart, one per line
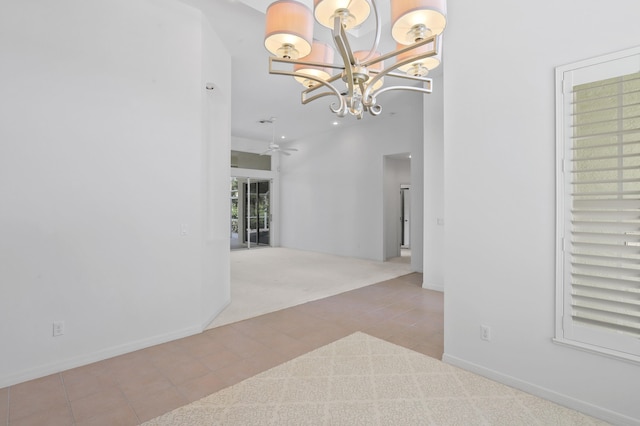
362 380
268 279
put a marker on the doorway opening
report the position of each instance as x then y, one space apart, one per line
250 213
405 221
397 208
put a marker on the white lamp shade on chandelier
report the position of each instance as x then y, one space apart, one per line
420 67
415 20
289 29
320 52
355 12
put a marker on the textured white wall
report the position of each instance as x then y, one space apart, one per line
101 165
500 194
332 189
215 185
433 169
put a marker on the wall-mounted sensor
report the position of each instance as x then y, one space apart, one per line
210 86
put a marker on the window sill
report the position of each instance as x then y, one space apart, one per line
621 356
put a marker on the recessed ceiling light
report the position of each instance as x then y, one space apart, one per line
335 123
282 137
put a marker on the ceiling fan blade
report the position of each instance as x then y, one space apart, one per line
267 152
289 149
284 152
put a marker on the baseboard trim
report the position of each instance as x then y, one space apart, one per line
434 287
212 317
561 399
79 361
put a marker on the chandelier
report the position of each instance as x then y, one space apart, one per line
416 26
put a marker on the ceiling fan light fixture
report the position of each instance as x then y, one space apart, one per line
289 29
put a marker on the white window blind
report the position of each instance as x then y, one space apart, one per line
599 205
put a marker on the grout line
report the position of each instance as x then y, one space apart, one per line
8 404
66 397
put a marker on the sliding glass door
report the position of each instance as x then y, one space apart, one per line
250 212
257 213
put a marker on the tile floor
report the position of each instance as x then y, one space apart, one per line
141 385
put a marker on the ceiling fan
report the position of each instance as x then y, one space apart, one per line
273 146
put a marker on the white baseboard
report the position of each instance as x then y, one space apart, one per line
558 398
436 287
78 361
209 320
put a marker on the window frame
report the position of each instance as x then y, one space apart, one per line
590 70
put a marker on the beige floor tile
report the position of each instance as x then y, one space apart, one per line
236 372
200 387
36 395
200 345
429 350
84 381
52 416
220 359
4 405
99 404
181 372
244 346
124 370
157 403
140 385
120 415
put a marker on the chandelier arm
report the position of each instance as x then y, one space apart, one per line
409 88
390 55
340 109
376 109
306 100
410 77
376 41
307 63
366 95
342 44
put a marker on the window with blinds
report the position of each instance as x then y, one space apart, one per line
599 205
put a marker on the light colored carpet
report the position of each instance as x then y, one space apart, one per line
266 280
362 380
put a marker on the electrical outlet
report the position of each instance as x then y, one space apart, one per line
485 332
58 328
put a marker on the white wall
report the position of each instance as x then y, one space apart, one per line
216 145
332 188
417 185
103 159
500 194
433 274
